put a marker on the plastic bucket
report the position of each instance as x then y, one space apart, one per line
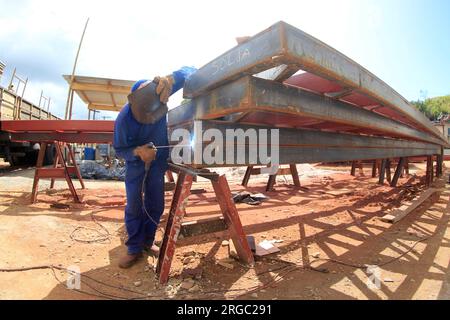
89 154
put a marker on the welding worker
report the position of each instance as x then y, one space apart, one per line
135 140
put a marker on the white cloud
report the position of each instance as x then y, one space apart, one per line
139 39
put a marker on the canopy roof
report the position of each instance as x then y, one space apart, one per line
101 93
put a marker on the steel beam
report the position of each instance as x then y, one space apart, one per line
309 146
284 44
57 126
82 137
253 95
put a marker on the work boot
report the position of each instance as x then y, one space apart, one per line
129 260
152 250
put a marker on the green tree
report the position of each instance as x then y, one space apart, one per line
434 108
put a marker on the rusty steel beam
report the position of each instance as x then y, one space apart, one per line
309 146
254 95
283 44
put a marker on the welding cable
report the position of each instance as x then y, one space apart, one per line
284 271
103 234
143 194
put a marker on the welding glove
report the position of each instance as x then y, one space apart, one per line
164 88
147 153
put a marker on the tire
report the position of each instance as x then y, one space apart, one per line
50 154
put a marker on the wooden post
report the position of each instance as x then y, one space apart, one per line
388 170
353 170
374 168
398 172
247 175
438 165
69 102
432 169
429 170
295 176
271 182
406 166
382 171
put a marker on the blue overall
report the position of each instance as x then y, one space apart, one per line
129 134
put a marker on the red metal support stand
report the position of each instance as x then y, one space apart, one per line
173 226
292 170
231 216
71 164
177 212
61 170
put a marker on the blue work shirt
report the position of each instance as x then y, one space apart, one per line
130 134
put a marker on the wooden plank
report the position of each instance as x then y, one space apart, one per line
408 207
77 86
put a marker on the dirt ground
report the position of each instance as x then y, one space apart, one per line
327 234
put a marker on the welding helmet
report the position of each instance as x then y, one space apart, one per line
145 104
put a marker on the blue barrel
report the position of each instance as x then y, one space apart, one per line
89 154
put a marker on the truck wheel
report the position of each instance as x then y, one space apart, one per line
31 158
50 154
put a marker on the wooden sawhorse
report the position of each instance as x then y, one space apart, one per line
177 211
62 168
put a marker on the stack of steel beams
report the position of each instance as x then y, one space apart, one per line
326 106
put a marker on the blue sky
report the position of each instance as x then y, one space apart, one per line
406 43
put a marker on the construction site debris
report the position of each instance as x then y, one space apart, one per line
196 273
265 248
248 198
232 252
227 263
90 169
187 284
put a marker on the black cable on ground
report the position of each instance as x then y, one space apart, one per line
290 267
103 233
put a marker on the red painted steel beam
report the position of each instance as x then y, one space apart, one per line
68 137
57 126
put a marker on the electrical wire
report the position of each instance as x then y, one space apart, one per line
285 270
143 193
103 233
